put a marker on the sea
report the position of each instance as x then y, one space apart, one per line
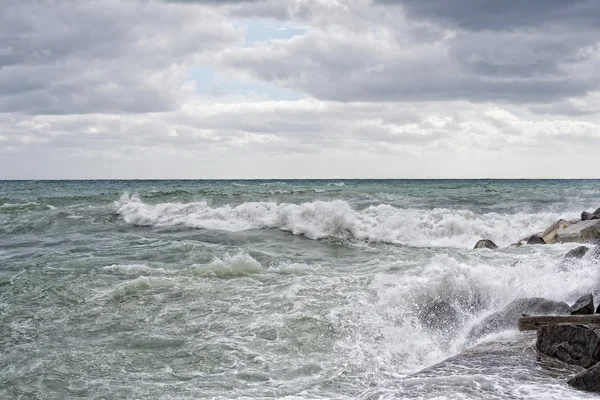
281 289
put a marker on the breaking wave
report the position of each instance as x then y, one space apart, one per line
439 227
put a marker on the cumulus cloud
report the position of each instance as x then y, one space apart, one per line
428 88
503 15
417 52
103 56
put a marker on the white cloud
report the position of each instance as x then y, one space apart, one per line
102 89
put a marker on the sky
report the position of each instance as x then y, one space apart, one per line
232 89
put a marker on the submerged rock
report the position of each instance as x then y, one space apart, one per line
577 252
439 315
508 318
583 305
587 380
485 244
594 253
549 235
535 239
570 343
580 232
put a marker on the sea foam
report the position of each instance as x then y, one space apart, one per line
438 227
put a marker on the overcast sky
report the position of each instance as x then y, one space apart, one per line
299 88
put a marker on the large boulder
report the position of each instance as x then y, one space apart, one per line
549 235
587 380
583 305
535 239
586 216
584 231
508 318
485 244
570 343
577 252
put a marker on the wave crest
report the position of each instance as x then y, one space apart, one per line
439 227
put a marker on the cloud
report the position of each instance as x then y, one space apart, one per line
503 15
380 89
383 66
103 56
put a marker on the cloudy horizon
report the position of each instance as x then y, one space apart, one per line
207 89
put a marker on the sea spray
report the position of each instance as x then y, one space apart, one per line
338 219
203 289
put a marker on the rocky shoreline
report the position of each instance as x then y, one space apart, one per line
572 343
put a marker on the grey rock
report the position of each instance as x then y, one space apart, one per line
584 231
586 216
439 315
583 305
550 234
588 380
594 253
535 239
508 318
577 252
597 212
570 343
485 244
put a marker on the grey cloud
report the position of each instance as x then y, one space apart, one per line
505 14
358 67
102 56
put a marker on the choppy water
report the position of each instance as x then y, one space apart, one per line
265 289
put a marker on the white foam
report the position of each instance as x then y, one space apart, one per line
438 227
136 269
395 312
241 264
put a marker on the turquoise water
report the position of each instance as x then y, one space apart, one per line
271 289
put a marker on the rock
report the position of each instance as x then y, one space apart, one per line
439 315
586 216
594 253
580 232
583 305
485 244
549 235
577 252
570 343
535 239
508 318
597 212
587 380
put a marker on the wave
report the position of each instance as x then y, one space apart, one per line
9 208
228 267
439 227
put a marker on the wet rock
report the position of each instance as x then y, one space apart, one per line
570 343
577 252
597 212
439 315
535 239
588 380
584 231
508 318
550 234
485 244
586 216
594 253
583 305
